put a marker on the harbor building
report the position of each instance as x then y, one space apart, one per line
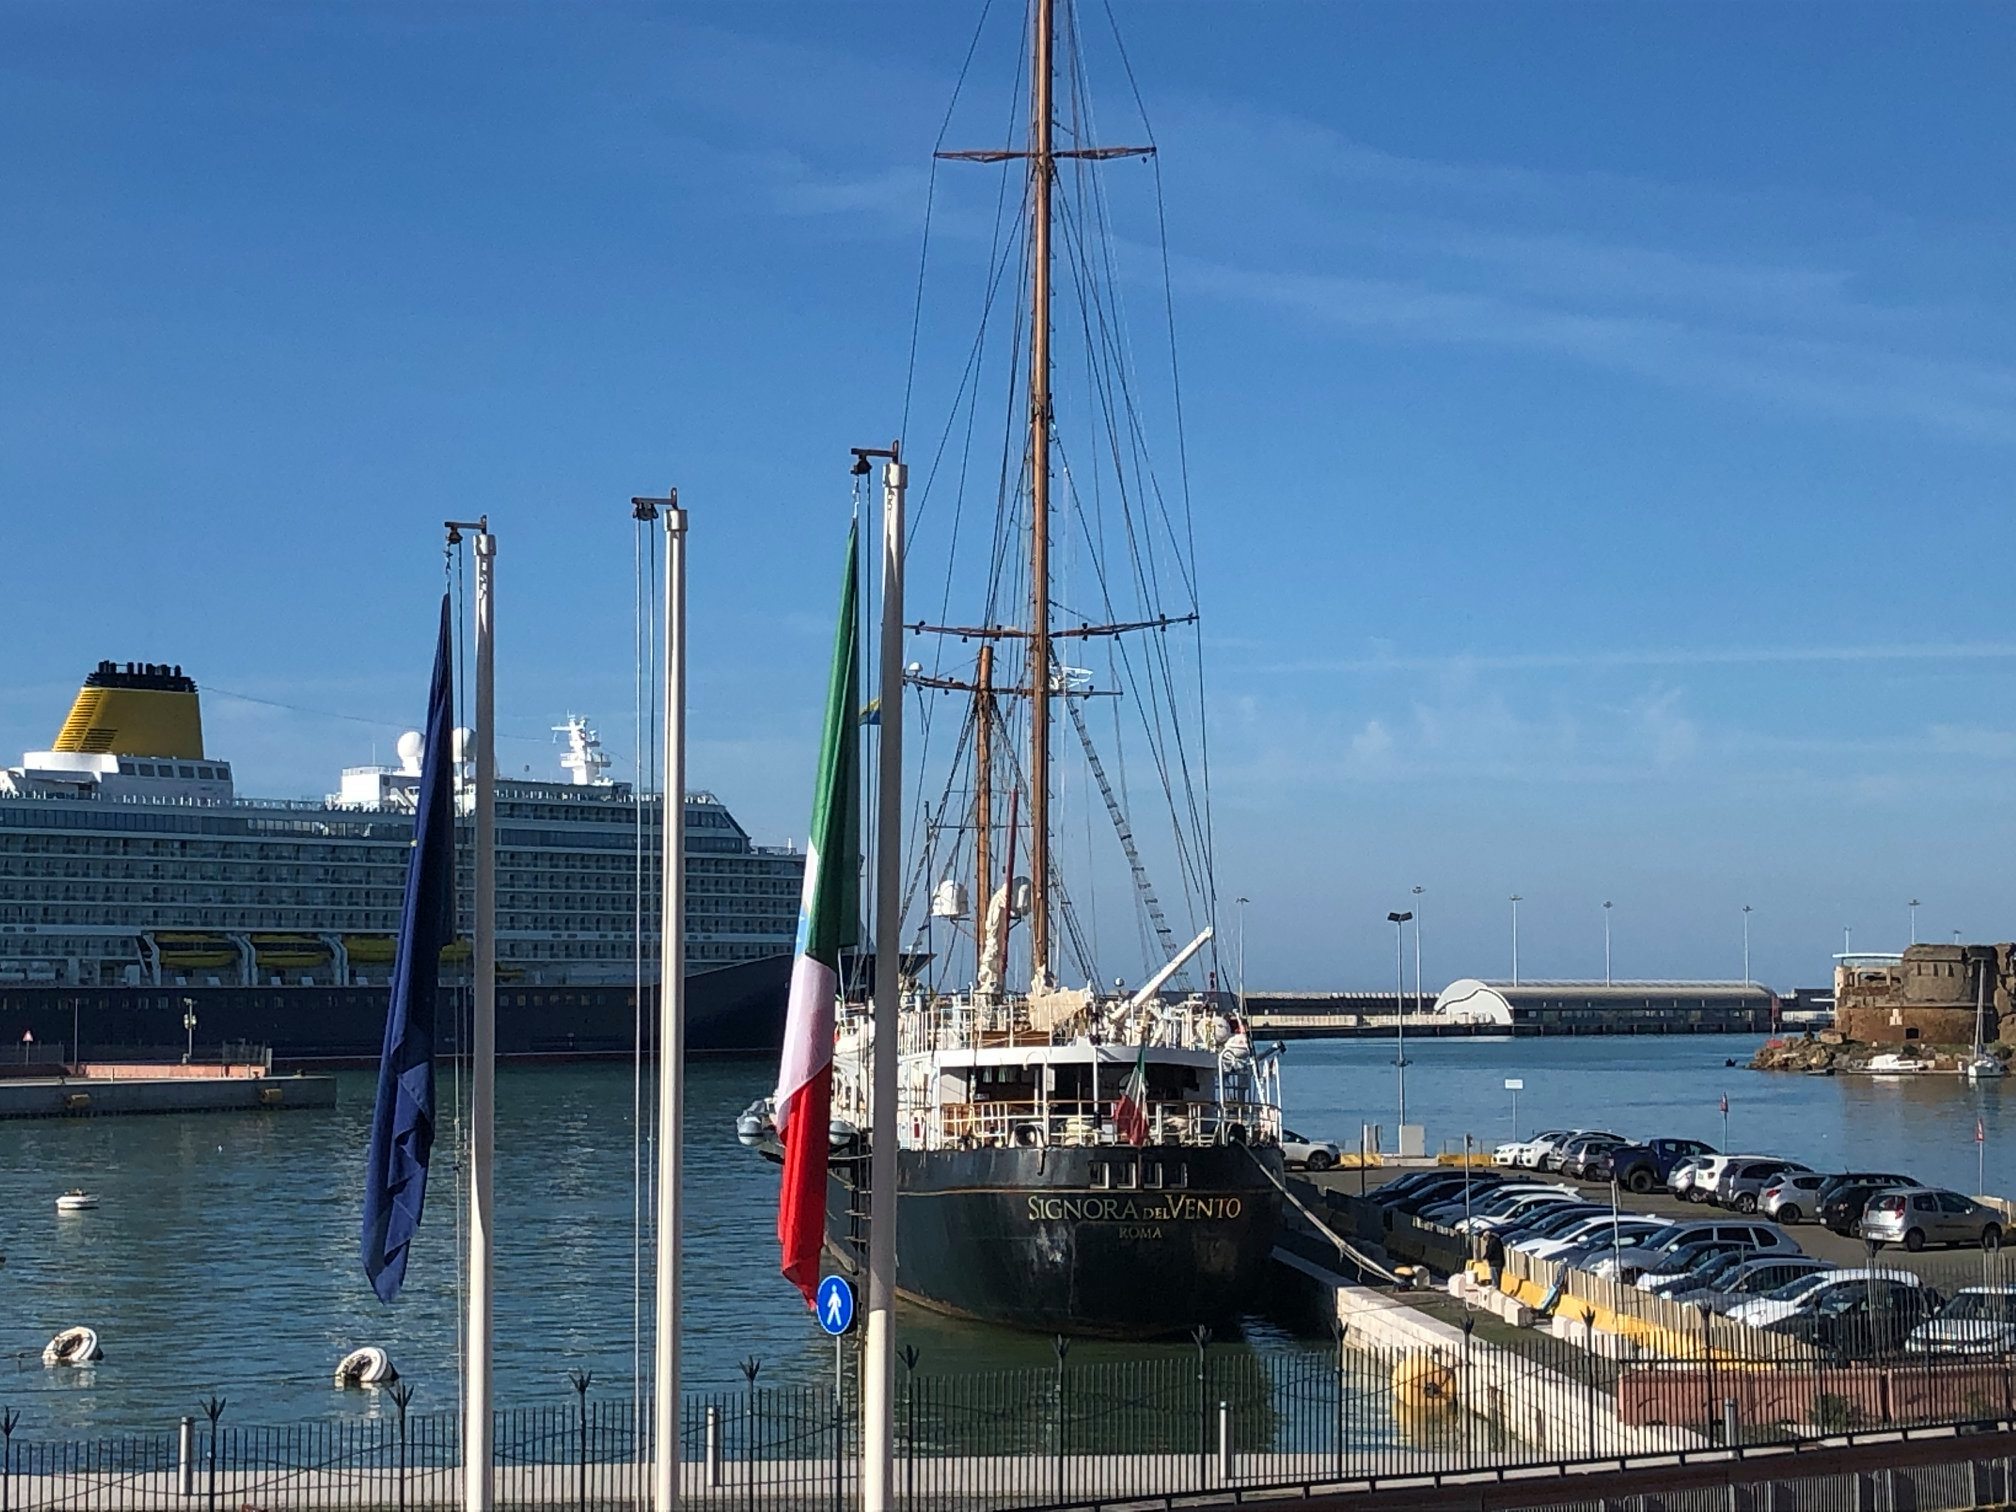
1610 1007
1928 993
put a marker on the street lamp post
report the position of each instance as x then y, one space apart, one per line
1515 900
1417 947
189 1030
1914 921
1242 957
1399 923
1746 944
1847 939
1606 942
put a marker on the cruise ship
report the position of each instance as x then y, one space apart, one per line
139 891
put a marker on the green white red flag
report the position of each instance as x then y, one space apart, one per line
828 919
1130 1114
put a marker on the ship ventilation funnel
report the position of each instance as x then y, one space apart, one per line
140 709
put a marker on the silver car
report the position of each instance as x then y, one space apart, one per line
1979 1320
1793 1197
1743 1181
1920 1216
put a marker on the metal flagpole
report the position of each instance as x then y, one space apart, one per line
878 1365
477 1421
671 1027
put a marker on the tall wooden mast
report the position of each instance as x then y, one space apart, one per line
983 795
1042 172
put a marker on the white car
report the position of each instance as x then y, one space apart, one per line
1979 1320
1524 1153
1631 1230
1708 1175
1651 1255
1314 1154
1522 1208
1540 1147
1809 1292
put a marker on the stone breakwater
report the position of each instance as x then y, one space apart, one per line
1830 1052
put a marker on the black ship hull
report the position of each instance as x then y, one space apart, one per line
1111 1242
729 1008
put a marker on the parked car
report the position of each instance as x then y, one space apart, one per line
1692 1260
1546 1222
1807 1293
1577 1247
1742 1180
1979 1320
1680 1179
1538 1149
1556 1155
1315 1154
1642 1167
1708 1175
1920 1216
1420 1188
1418 1202
1746 1276
1514 1151
1841 1205
1765 1237
1862 1322
1581 1155
1793 1197
1446 1208
1522 1206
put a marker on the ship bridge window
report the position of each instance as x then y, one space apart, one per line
1102 1177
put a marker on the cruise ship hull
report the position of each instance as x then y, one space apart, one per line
1076 1240
728 1008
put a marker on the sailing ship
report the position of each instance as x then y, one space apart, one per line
1981 1064
1070 1159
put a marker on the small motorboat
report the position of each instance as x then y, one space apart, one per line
73 1346
369 1366
1891 1064
76 1200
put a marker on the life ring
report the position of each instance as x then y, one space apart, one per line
369 1366
1422 1381
73 1346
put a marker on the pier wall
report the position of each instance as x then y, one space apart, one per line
73 1097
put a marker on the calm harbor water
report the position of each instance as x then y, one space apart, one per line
224 1259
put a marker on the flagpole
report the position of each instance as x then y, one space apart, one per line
671 1027
878 1366
477 1422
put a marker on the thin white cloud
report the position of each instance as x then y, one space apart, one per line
1732 656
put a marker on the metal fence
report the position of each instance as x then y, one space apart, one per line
1178 1421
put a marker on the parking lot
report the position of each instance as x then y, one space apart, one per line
1944 1267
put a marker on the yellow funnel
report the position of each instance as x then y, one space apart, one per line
138 709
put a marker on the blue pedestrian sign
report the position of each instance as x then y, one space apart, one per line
835 1305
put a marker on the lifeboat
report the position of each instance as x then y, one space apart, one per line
189 951
73 1346
369 1366
370 950
289 951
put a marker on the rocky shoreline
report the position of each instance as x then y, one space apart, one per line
1830 1052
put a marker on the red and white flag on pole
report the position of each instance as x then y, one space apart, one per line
1980 1132
828 919
1130 1114
1725 1103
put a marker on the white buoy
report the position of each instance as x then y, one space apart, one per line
369 1366
76 1201
73 1346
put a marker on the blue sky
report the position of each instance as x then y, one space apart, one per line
1601 420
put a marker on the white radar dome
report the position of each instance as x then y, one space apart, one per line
463 739
411 745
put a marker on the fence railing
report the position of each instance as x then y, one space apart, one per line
1174 1421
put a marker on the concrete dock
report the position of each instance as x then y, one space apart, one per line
104 1091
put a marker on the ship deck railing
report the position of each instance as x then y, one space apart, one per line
966 1024
1087 1124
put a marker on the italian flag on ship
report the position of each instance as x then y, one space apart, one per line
1130 1114
828 918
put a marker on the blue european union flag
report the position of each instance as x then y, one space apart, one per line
402 1124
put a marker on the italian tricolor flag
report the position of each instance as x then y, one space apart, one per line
1130 1114
828 917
